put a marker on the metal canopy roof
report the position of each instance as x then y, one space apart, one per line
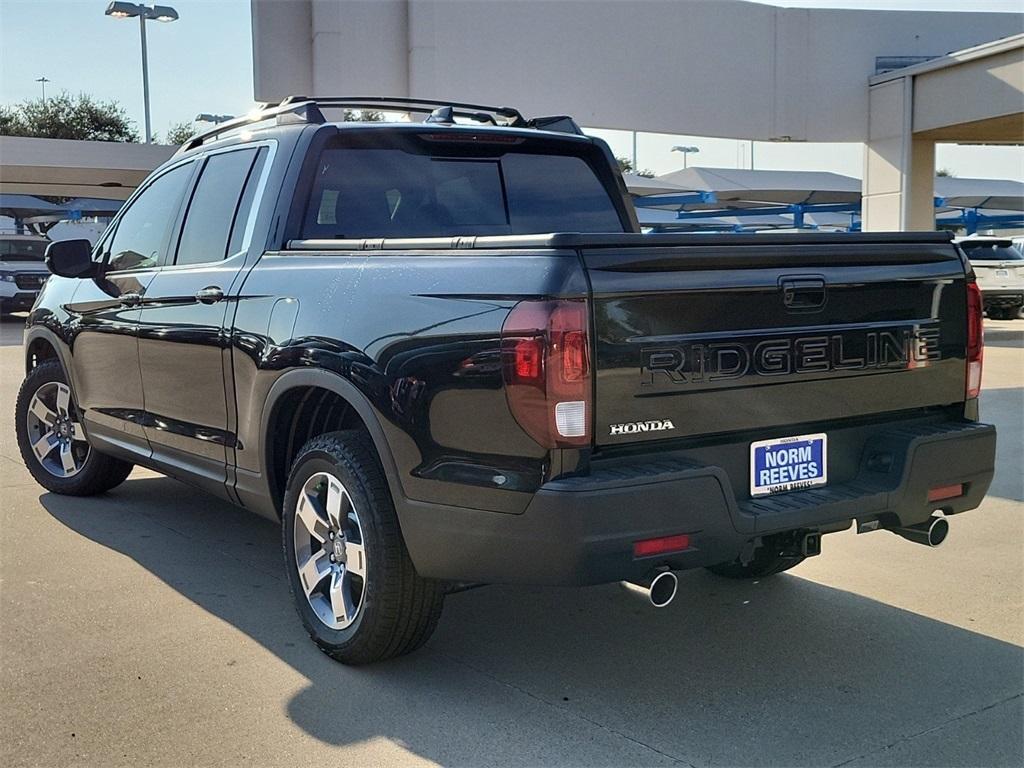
20 206
1000 194
645 185
743 188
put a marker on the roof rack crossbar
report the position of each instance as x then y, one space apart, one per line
308 109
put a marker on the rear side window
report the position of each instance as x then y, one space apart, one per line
366 192
214 211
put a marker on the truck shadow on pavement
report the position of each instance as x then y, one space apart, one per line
784 671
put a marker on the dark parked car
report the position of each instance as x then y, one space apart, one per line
442 354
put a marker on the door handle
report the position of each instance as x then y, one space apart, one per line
130 299
210 295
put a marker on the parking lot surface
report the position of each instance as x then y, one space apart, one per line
153 625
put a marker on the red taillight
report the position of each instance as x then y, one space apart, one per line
946 492
975 339
661 545
546 362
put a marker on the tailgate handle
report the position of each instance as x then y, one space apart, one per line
803 293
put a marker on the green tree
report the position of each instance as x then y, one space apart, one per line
68 117
363 116
626 166
945 172
179 133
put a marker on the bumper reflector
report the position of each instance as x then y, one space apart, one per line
661 545
946 492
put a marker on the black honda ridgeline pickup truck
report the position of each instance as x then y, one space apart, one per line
442 354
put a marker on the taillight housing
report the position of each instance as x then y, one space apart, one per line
545 351
975 339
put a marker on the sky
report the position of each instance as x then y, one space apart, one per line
203 63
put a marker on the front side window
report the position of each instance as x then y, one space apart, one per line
142 230
214 208
368 192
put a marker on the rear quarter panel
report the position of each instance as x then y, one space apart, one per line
418 334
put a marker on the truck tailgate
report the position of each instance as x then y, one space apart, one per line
762 332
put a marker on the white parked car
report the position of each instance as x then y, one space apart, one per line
999 267
22 271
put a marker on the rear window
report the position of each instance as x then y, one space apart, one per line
22 250
992 252
393 192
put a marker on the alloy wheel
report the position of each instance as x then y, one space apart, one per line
329 552
54 432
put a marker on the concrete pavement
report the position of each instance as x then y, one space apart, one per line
153 625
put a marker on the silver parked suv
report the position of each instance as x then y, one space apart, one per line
22 271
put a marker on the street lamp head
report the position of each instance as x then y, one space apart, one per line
121 10
124 10
206 117
686 150
162 13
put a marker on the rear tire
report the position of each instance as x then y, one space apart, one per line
766 562
52 441
355 588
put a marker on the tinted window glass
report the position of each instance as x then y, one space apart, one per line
992 252
394 193
142 230
245 206
22 250
211 212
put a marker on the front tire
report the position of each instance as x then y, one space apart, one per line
52 441
355 588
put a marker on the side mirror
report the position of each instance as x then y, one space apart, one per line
70 258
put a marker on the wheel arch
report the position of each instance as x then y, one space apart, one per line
43 345
302 388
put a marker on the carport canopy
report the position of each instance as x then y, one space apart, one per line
67 168
744 188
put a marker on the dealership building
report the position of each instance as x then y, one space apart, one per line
896 81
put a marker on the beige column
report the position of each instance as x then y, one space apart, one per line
920 178
899 171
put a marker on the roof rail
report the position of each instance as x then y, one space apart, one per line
509 116
308 109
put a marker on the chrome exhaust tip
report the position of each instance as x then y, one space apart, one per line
662 589
931 533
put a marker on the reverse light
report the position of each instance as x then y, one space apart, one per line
545 351
975 339
661 545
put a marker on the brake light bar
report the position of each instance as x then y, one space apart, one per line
661 545
943 492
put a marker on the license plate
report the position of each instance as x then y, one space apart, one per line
788 464
1002 273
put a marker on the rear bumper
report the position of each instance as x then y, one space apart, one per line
1002 298
581 530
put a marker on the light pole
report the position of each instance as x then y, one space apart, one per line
42 83
144 13
686 151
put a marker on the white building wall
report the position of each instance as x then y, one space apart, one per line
704 67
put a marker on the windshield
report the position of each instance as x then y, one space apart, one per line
22 250
992 252
455 189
